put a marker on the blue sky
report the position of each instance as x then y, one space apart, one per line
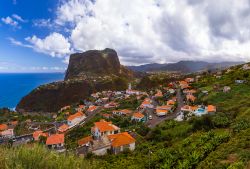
40 35
14 58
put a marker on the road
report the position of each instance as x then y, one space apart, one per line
157 120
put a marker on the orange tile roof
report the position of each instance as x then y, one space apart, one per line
63 128
165 107
39 133
161 111
191 97
84 140
3 127
106 115
138 115
103 125
124 111
170 102
211 108
76 115
121 139
92 108
55 139
81 106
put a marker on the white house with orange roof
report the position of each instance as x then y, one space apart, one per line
75 118
5 131
80 108
147 103
63 128
56 141
138 116
121 142
104 128
189 80
124 112
92 108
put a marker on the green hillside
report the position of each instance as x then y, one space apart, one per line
211 141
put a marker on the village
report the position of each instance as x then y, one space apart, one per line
175 100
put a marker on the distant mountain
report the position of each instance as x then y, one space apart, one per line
183 66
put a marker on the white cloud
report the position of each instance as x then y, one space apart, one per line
151 31
19 18
43 23
55 45
9 21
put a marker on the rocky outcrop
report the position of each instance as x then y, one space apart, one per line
95 63
87 72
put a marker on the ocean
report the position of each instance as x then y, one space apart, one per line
14 86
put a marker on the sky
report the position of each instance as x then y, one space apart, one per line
40 35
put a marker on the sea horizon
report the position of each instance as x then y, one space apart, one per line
15 86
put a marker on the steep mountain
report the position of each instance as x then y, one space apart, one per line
183 66
87 72
95 63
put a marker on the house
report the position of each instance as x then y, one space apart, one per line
161 112
245 67
104 128
211 109
63 128
86 141
124 112
165 107
121 141
8 133
75 118
170 102
92 108
80 108
239 81
139 117
3 127
226 89
106 115
189 109
189 80
159 94
56 142
190 97
39 133
111 105
147 103
183 84
171 91
187 91
132 92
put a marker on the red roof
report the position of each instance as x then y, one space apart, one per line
63 128
76 115
103 125
3 127
55 139
39 133
121 139
84 140
138 115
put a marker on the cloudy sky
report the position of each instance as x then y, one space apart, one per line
39 35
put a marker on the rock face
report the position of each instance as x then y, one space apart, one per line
94 62
87 72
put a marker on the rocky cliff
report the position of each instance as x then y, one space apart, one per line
87 72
